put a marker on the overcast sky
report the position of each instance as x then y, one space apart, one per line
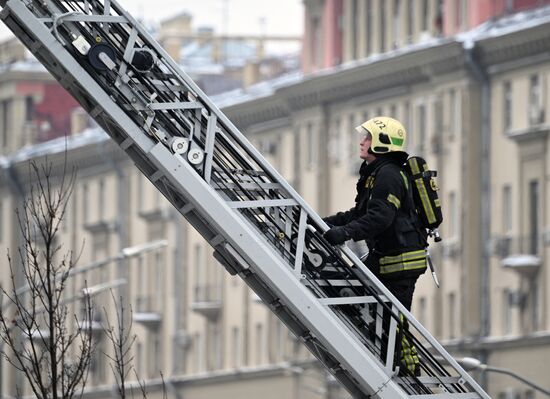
281 17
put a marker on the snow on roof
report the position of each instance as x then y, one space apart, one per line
234 52
55 146
29 65
505 25
493 28
256 91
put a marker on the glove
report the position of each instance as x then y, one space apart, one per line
337 235
326 220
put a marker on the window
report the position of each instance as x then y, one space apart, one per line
85 208
410 22
260 347
199 352
236 347
157 352
459 14
396 22
65 221
422 311
365 116
101 199
454 113
336 142
217 349
453 215
159 268
297 158
353 29
368 21
506 210
437 126
353 138
421 128
535 308
142 303
534 217
507 105
310 146
317 43
382 24
29 109
5 122
425 14
199 272
97 362
393 111
407 124
452 315
279 338
140 191
1 219
506 311
535 109
140 360
439 18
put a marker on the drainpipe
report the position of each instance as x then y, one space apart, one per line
485 216
180 270
17 188
322 166
123 190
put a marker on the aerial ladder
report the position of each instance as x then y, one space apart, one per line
256 223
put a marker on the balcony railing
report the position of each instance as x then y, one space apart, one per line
207 300
505 246
208 293
147 312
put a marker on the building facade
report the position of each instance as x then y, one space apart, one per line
475 101
472 89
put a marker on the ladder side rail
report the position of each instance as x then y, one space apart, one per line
288 188
230 127
416 324
258 158
328 328
271 268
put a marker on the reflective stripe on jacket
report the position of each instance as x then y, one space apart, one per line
407 261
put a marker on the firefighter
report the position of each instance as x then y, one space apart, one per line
384 216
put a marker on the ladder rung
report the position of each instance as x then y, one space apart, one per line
439 380
262 203
348 300
448 395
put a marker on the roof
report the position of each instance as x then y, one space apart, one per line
234 53
55 146
491 29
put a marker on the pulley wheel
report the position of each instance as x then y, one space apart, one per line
98 48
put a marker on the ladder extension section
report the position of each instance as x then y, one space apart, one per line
258 226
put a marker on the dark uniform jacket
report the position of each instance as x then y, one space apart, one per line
385 218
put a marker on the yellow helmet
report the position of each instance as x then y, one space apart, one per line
388 134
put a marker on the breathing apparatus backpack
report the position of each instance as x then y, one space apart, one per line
424 191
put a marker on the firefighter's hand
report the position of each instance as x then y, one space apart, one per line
337 235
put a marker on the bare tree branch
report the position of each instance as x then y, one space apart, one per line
35 318
121 341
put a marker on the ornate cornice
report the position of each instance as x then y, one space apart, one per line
377 75
514 46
